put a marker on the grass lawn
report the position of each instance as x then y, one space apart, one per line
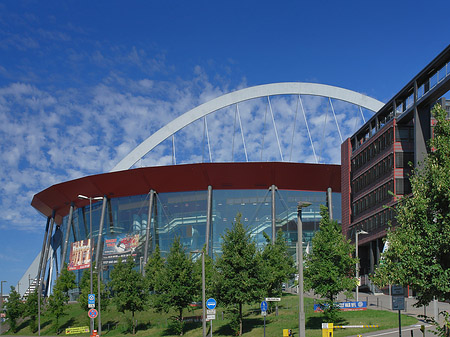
157 324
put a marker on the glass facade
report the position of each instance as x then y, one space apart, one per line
184 215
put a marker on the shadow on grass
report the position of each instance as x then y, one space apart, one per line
188 326
70 322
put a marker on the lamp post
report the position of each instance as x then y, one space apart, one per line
80 196
1 305
357 261
301 310
203 291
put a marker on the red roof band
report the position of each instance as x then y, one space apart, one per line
189 177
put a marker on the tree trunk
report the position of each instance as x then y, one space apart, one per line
181 322
240 319
132 318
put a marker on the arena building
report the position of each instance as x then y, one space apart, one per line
129 211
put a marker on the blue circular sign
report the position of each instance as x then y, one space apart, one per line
263 306
211 303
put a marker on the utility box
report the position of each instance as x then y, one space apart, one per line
327 329
287 332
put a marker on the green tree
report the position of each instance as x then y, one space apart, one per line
176 286
14 308
278 265
58 299
129 289
238 273
419 249
153 269
330 267
31 310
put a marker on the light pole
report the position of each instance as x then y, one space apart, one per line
203 291
357 261
301 310
80 196
1 305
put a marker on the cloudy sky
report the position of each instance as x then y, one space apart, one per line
84 82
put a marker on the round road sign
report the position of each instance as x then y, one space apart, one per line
92 313
211 303
263 306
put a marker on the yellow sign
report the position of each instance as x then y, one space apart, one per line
80 329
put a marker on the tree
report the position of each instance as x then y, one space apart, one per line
329 269
14 308
419 248
59 297
238 272
175 285
278 265
129 288
153 269
31 310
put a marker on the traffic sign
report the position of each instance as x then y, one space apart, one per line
210 317
211 311
211 303
92 313
273 299
91 299
264 313
263 306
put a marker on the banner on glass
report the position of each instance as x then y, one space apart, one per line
79 255
119 246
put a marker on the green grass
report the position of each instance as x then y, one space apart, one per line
151 323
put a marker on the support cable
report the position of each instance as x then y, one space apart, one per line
242 132
307 128
293 132
263 132
234 133
362 115
335 119
323 134
207 138
275 128
174 156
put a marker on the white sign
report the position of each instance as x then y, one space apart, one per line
210 317
273 299
264 313
211 311
91 305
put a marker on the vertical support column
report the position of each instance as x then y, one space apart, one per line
98 252
330 203
371 257
274 229
47 250
208 221
66 238
422 132
147 229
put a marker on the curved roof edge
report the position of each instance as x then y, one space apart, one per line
190 177
287 88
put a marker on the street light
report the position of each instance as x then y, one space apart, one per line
357 260
1 305
301 310
203 291
80 196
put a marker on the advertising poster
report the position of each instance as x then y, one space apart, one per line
119 246
79 255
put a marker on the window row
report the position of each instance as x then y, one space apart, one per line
375 222
381 195
404 133
402 186
383 168
380 144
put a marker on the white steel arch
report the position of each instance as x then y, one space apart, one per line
266 90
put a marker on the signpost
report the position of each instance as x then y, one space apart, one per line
398 303
91 301
211 314
264 313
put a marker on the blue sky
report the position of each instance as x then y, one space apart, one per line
83 82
